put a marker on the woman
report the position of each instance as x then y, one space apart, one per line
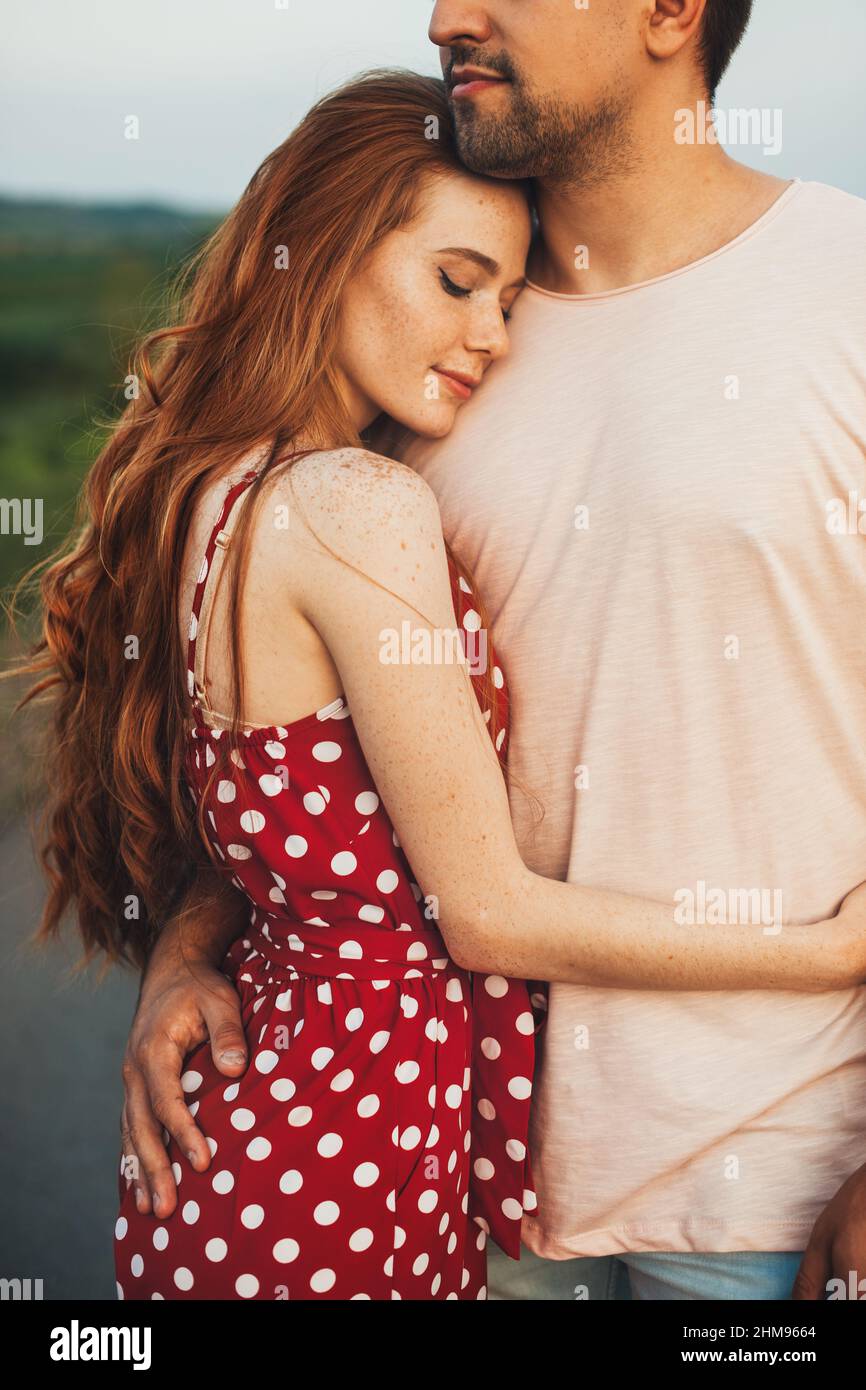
379 1132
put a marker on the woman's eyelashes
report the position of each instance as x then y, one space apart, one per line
462 291
450 287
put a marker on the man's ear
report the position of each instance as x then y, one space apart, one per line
671 24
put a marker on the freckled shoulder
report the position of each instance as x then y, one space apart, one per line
351 474
357 499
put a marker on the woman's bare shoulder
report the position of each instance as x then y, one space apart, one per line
358 497
348 513
353 475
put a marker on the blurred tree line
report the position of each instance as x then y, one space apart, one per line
78 284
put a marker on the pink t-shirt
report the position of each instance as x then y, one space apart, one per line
658 492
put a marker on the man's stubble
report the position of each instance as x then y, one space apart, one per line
542 138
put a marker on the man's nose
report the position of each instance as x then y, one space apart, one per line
458 21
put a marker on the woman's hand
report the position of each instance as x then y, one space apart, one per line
184 1001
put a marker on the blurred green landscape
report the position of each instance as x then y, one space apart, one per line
78 283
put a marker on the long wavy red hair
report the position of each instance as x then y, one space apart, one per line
248 363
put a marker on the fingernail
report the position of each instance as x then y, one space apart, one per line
140 1199
232 1057
191 1156
156 1200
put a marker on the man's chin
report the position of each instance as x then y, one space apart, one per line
481 148
489 162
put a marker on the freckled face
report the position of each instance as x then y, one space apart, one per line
429 305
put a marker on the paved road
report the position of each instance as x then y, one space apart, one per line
62 1041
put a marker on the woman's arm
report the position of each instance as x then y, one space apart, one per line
434 765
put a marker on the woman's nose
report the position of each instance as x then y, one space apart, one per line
490 335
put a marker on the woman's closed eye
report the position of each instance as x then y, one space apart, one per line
451 287
461 291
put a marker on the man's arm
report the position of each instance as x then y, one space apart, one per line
184 1001
837 1245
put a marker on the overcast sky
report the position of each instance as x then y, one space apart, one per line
216 84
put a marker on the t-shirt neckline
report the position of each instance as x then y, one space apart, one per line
772 211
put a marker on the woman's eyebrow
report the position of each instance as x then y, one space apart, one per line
486 262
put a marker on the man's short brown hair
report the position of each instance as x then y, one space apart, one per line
724 25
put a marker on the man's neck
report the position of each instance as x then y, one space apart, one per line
669 206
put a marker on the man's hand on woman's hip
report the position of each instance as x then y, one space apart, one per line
185 1000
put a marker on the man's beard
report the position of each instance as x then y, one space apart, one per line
542 138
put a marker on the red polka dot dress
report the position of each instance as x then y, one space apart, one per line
379 1133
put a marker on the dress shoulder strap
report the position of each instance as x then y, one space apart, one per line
205 592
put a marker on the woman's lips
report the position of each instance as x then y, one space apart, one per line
458 387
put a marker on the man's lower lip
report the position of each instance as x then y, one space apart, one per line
466 89
459 387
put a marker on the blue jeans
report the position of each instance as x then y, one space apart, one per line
740 1274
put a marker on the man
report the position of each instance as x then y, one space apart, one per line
645 491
